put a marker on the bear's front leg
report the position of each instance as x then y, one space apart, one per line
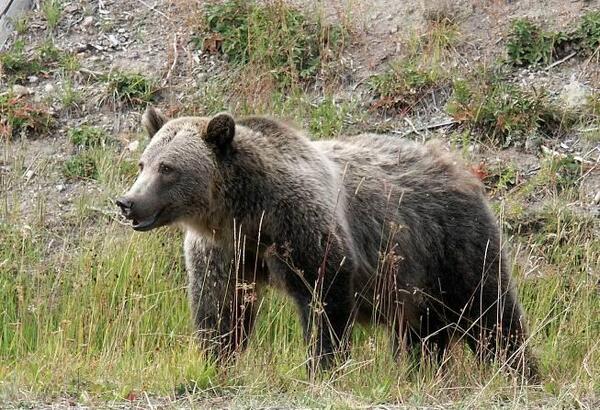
319 279
222 300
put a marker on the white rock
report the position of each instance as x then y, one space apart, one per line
49 88
60 187
574 94
20 91
133 146
88 21
597 198
33 79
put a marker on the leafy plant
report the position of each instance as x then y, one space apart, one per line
131 88
52 10
403 84
81 166
503 111
528 44
18 116
273 35
87 136
589 31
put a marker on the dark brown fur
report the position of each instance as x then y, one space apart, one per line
371 227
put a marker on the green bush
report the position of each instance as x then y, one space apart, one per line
528 44
274 35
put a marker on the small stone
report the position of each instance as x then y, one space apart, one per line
49 88
575 94
88 21
113 40
20 90
133 146
33 79
29 174
597 198
60 187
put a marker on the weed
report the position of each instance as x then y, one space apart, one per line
15 61
588 32
274 36
403 85
441 35
19 117
21 24
52 10
327 118
20 64
131 88
505 112
501 177
87 136
529 45
82 165
70 97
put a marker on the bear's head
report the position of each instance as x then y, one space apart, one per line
178 169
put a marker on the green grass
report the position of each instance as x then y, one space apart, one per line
528 44
52 11
102 315
18 63
20 117
273 37
87 136
131 88
506 113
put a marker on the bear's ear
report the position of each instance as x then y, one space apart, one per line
153 120
220 131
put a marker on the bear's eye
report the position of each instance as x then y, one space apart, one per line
164 169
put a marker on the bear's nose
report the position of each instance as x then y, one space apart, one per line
125 205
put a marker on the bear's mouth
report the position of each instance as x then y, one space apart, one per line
147 224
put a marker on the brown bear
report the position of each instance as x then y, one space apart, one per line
370 228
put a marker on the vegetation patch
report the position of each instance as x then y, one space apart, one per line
588 32
505 113
275 36
87 136
403 85
131 88
82 165
528 44
17 63
20 117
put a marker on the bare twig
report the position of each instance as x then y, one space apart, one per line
578 158
155 10
554 64
425 127
172 67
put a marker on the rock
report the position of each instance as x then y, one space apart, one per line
33 79
49 88
575 94
533 143
133 146
20 90
597 198
29 174
88 21
60 187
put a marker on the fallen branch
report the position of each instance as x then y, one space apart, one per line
556 154
425 127
554 64
172 67
154 9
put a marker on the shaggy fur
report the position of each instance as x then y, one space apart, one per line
370 228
